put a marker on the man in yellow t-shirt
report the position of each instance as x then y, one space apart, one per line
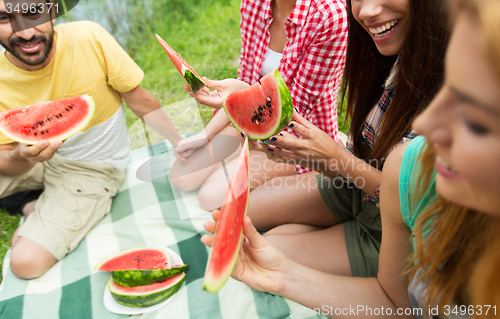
79 178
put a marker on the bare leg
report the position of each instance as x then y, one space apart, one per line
323 249
29 259
213 191
289 199
190 175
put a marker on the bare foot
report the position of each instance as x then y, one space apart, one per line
29 208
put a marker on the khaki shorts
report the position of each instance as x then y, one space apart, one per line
76 196
361 219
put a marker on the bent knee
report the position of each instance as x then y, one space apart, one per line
210 198
28 264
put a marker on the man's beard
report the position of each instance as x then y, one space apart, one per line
25 57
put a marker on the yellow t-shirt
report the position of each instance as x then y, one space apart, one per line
88 60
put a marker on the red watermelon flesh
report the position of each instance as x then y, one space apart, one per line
263 109
137 259
229 230
188 73
51 121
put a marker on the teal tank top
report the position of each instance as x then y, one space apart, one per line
410 169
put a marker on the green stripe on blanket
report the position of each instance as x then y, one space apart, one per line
143 213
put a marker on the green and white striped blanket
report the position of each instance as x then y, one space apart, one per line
143 214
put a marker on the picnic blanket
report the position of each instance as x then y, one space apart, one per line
143 213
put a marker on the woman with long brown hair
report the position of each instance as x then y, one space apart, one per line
394 67
440 251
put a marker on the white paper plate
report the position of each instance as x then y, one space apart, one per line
111 304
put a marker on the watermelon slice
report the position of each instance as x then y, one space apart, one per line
134 278
146 296
51 121
188 73
137 259
229 232
262 110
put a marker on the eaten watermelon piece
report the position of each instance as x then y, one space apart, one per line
148 295
51 121
262 110
229 231
137 259
188 73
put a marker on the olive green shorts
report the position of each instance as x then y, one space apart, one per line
76 196
361 219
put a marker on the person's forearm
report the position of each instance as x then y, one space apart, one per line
148 109
335 296
160 122
355 170
13 165
217 123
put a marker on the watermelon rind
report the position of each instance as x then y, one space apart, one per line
211 282
61 137
285 116
193 80
190 76
144 299
134 278
101 266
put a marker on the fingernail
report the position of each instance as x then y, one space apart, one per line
281 134
45 143
266 142
242 135
291 125
270 150
273 139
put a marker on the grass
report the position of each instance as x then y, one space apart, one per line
205 33
8 225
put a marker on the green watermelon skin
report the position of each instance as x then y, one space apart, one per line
128 298
193 80
229 230
240 107
134 278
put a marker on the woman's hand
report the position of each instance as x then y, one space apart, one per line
221 90
259 265
187 146
314 150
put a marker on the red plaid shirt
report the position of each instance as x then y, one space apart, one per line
313 58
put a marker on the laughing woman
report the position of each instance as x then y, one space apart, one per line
439 200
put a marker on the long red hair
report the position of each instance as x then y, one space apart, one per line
460 255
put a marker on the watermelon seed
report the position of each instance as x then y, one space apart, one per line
43 132
46 131
57 116
268 99
261 120
48 120
60 114
270 112
270 115
35 133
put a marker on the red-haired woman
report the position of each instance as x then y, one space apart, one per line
439 200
